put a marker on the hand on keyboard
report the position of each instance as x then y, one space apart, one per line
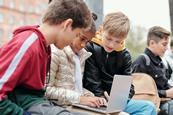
106 96
93 101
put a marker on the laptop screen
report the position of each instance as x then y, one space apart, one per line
119 93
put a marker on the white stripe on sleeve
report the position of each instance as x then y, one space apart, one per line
15 61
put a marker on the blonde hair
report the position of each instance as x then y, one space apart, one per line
116 24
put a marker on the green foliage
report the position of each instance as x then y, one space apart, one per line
136 41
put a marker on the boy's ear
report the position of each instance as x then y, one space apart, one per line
67 24
151 42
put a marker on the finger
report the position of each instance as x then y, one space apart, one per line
106 96
101 101
96 102
92 104
104 101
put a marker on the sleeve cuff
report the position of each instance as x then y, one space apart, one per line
162 93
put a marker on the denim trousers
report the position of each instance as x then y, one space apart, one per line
140 107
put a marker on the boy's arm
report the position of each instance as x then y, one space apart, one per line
55 61
139 65
91 78
127 70
127 64
9 108
62 96
12 64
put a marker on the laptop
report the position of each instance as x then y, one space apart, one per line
118 96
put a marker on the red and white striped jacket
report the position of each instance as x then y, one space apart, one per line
23 61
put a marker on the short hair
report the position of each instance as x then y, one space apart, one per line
60 10
157 33
94 16
116 24
93 25
50 1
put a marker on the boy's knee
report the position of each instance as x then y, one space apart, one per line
149 107
149 104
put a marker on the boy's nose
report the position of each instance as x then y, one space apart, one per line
83 45
111 44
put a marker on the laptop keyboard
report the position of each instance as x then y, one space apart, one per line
102 109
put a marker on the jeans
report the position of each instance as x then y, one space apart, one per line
140 107
167 107
48 108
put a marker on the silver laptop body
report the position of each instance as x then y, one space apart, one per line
118 95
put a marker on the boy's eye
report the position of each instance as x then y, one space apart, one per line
82 39
119 42
78 35
108 39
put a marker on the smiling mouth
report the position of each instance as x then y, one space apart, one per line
109 48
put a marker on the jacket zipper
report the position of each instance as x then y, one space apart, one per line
107 55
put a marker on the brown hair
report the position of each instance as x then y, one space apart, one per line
117 24
60 10
92 28
50 1
157 33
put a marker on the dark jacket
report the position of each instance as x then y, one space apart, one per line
155 69
101 67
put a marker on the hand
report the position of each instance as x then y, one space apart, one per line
93 101
106 95
169 93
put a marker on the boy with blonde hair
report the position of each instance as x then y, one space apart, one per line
25 59
110 57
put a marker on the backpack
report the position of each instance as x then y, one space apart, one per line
145 92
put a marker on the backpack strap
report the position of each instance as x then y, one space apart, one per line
168 69
146 58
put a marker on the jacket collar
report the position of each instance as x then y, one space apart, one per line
98 40
83 54
155 59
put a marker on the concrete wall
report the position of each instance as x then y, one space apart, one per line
96 6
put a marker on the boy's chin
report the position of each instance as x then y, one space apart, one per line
108 51
59 47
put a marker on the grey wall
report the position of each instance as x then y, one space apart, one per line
96 6
171 14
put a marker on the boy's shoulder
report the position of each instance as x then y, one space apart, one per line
92 46
142 59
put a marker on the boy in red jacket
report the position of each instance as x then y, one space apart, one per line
24 60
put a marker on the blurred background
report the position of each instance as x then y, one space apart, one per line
15 13
142 13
